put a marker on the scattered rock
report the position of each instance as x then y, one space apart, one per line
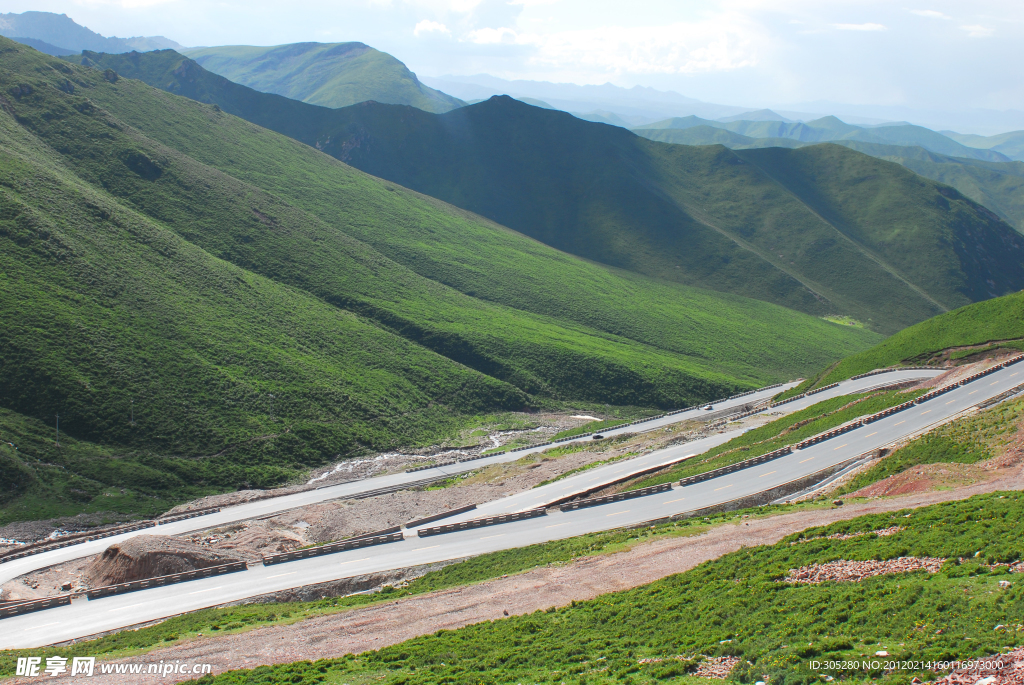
844 570
717 667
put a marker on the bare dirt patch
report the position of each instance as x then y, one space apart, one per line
358 630
150 556
926 477
856 571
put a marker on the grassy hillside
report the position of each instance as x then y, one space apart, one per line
737 606
701 217
1000 319
998 186
1010 144
134 271
327 74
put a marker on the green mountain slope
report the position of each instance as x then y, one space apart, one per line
698 216
327 74
204 264
997 320
1010 144
998 186
824 130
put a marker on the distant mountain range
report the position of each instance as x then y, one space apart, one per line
327 74
826 129
998 185
57 34
822 229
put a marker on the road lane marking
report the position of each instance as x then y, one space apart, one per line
281 575
841 446
1014 374
724 487
972 392
993 382
556 525
367 558
420 549
619 512
130 606
488 537
870 434
767 474
807 459
950 402
896 424
211 589
45 625
674 500
924 412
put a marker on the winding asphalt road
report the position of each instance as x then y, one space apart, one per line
242 512
83 618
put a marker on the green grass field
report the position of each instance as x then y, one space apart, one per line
269 309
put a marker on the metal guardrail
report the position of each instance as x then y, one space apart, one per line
58 544
145 584
332 548
186 515
34 605
481 522
438 517
605 499
738 466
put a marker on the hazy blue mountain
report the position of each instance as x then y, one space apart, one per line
636 106
44 47
60 31
824 130
1010 144
326 74
757 115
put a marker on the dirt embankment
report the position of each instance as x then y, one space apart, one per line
375 627
149 556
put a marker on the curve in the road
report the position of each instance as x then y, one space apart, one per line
85 618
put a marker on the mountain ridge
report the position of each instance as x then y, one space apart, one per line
60 31
327 74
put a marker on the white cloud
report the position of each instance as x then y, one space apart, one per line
427 26
725 43
860 27
977 31
932 14
494 36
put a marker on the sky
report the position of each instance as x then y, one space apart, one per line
925 54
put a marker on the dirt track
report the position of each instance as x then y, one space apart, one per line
375 627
